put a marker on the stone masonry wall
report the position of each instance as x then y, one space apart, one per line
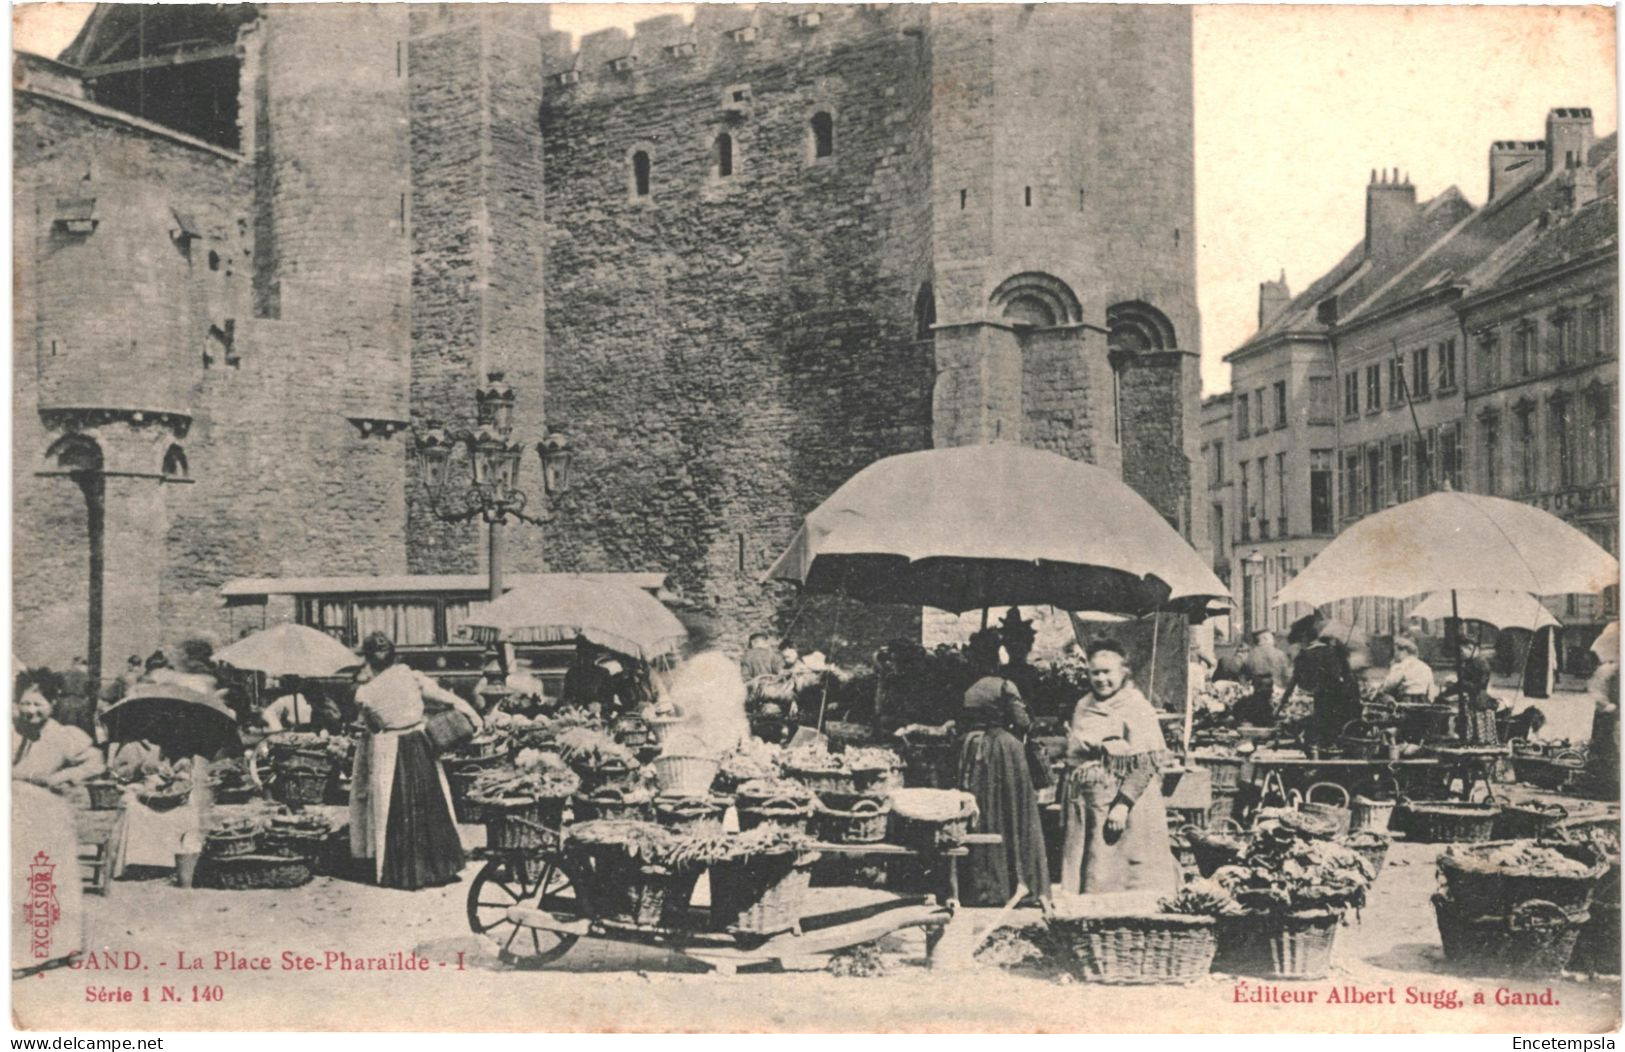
727 352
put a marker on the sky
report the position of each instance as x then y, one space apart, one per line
1295 105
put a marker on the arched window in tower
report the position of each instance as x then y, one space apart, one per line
925 312
1035 300
1136 326
1030 312
822 128
175 466
722 159
640 174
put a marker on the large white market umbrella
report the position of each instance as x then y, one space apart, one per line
558 608
970 527
289 650
1501 609
1606 645
1454 542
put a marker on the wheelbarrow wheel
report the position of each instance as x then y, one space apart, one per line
504 883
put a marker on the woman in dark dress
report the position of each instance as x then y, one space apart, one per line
1475 706
993 768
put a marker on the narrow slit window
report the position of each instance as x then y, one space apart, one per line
725 156
963 194
823 135
640 174
1028 195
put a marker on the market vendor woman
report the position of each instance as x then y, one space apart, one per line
1116 833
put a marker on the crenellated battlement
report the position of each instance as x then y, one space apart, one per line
665 51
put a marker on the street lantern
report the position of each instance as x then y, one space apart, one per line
496 401
433 458
1254 561
554 449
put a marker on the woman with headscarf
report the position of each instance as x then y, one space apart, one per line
1475 706
993 768
400 805
1116 837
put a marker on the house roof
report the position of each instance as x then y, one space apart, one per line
1355 277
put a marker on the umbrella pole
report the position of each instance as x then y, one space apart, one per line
1151 680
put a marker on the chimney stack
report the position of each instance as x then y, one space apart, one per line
1390 203
1273 296
1569 138
1511 162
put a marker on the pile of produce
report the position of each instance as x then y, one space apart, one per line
591 748
302 825
867 758
234 827
750 759
167 784
513 785
774 789
519 731
1526 857
229 778
338 747
1279 870
701 844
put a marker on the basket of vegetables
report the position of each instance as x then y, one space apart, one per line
1173 946
1446 821
1528 821
1559 770
685 775
261 872
774 801
752 759
1369 845
759 883
461 774
931 820
874 769
230 782
168 787
820 770
1534 939
1223 766
238 836
1292 892
597 759
641 874
1493 878
295 836
523 807
612 801
680 812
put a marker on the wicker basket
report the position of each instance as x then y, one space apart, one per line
299 784
1484 892
1529 821
1363 741
930 837
288 843
231 845
822 781
1224 771
1338 813
685 775
680 812
1557 772
1446 822
1179 842
629 892
1424 722
631 731
763 895
1369 845
1158 948
258 872
1534 940
930 764
611 801
526 824
875 780
862 821
1277 946
659 726
780 810
170 801
1366 813
1223 808
1597 948
604 775
105 795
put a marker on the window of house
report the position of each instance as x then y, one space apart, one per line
1243 420
1562 336
1373 387
1320 491
1246 503
1560 422
1373 478
1258 412
1450 455
1489 443
822 132
722 156
1280 404
1397 391
1215 467
640 174
1423 451
1526 448
1447 365
1523 349
1280 494
1321 393
1421 372
1351 393
1353 502
1597 329
1215 522
1601 438
1489 358
1399 470
1263 498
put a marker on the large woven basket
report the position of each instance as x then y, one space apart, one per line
105 794
258 872
780 810
1559 771
1528 821
287 843
1277 946
629 892
860 821
1369 845
611 801
1366 813
763 895
604 775
525 824
822 780
1446 822
680 812
685 775
1337 813
1481 892
1150 948
1534 940
231 845
1225 771
302 783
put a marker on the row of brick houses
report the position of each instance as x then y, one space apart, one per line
1461 346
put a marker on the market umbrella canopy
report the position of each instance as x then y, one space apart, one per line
1606 645
996 525
1501 609
289 650
557 609
178 719
1450 541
